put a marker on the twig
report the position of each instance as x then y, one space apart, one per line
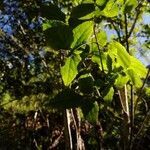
141 90
57 140
126 117
135 20
126 32
77 123
9 102
98 93
124 100
117 31
131 116
94 29
145 103
68 136
142 126
15 41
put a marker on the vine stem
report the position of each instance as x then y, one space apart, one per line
131 116
77 123
126 32
94 30
141 90
123 95
136 18
67 130
98 126
142 125
116 29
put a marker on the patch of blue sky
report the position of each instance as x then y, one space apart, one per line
145 57
5 24
8 29
146 18
31 25
31 58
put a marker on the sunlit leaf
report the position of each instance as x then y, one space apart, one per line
52 23
121 81
97 59
122 56
129 5
147 91
135 79
111 9
102 38
69 70
101 3
81 34
109 63
108 94
138 67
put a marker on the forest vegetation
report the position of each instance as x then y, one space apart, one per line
70 76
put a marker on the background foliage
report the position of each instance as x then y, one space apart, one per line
75 58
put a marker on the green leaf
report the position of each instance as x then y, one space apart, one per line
52 23
52 12
81 34
106 60
87 1
66 99
83 11
86 84
138 67
109 63
147 91
111 9
90 111
121 81
74 22
101 3
129 5
102 38
122 56
59 37
135 79
69 70
108 94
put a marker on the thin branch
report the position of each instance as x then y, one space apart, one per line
131 116
123 96
141 90
21 28
145 103
143 124
15 41
94 29
135 20
124 100
117 31
77 123
126 32
68 136
9 102
57 140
